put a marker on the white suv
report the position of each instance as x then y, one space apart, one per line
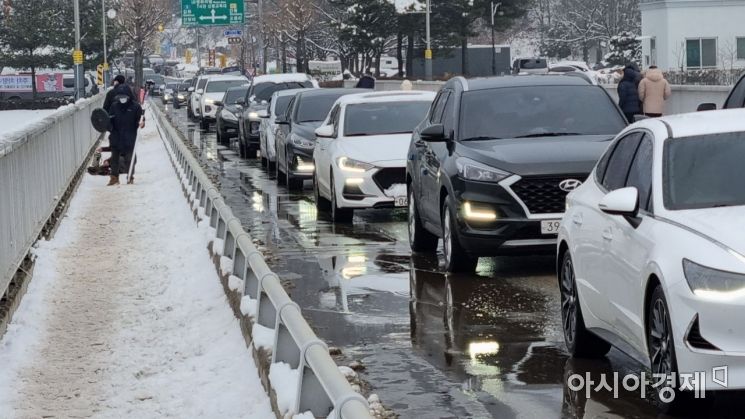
214 90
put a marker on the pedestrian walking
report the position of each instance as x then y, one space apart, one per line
628 94
126 117
654 90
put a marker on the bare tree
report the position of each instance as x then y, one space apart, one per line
139 21
728 55
680 56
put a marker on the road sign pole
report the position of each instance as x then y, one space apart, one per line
78 56
428 52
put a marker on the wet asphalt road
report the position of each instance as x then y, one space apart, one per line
487 345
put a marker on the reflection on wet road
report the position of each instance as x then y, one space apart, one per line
487 345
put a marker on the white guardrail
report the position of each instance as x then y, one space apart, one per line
36 167
322 387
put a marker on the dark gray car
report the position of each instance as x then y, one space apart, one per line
296 138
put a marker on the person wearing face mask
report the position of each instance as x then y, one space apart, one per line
126 117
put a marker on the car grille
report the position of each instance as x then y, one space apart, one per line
387 177
542 195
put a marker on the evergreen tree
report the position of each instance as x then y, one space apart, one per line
32 36
624 48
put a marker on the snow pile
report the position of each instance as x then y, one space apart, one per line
284 381
132 326
397 189
218 246
248 306
263 337
235 283
226 265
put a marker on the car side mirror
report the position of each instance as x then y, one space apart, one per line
433 133
200 91
240 101
263 113
191 89
218 103
706 107
280 120
325 131
623 201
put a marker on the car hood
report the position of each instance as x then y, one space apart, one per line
306 130
376 148
720 224
232 108
539 156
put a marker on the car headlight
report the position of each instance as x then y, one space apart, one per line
253 116
209 101
709 281
352 165
181 97
229 116
472 170
302 142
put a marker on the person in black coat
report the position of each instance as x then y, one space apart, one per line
126 117
628 94
367 81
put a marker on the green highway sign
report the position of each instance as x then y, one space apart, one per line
212 12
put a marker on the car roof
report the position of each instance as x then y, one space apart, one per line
699 123
486 83
290 92
282 78
389 96
308 93
223 77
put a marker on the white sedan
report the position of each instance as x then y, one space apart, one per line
360 155
651 255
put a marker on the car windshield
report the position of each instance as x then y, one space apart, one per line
315 108
232 95
282 103
223 85
264 91
702 171
172 86
538 111
384 118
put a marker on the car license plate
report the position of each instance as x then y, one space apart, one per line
401 201
550 226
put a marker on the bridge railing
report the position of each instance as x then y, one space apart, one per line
37 165
321 386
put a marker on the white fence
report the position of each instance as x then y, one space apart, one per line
321 386
684 98
36 167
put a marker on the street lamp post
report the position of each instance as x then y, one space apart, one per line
78 55
111 14
494 8
428 51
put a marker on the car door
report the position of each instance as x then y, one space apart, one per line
600 274
629 248
418 149
283 133
736 98
430 166
325 150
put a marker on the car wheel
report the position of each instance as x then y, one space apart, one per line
322 204
420 239
204 125
339 215
264 162
278 175
456 259
293 184
189 114
218 136
580 342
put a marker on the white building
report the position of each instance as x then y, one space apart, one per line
693 34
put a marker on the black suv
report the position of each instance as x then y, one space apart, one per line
491 165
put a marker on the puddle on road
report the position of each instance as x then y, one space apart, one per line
436 345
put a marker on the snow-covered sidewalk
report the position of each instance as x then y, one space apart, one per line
125 315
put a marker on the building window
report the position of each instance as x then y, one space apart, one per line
741 48
701 52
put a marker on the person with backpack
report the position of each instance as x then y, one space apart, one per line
126 117
628 94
